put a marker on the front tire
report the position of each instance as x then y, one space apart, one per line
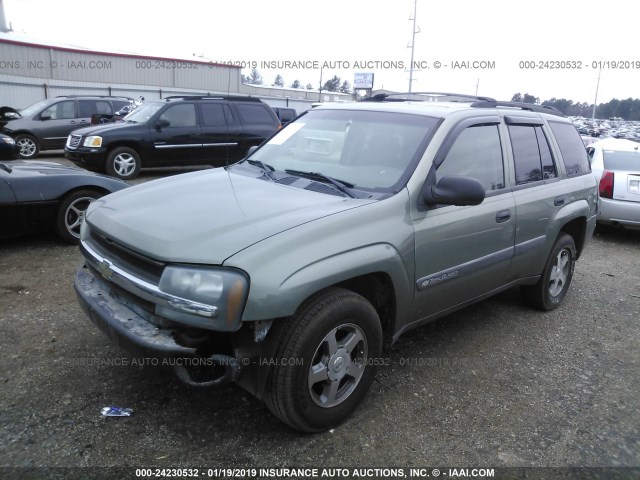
325 363
123 163
28 145
71 214
554 283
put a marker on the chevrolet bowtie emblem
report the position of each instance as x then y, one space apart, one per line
105 269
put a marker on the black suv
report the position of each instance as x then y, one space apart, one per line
46 124
176 131
285 114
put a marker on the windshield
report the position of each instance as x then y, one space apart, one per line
616 160
35 108
370 150
144 112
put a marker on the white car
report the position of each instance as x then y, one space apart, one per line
616 165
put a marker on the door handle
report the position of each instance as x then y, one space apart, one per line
559 200
503 215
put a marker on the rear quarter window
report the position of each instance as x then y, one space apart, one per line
256 114
574 154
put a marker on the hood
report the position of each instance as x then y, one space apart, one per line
30 168
104 128
205 217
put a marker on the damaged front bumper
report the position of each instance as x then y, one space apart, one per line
135 334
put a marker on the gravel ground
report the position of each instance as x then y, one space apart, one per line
495 385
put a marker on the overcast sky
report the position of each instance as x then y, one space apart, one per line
499 32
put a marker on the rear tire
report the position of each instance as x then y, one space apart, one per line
554 283
123 163
325 363
71 214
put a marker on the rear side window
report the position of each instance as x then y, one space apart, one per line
212 114
532 155
574 154
86 108
256 114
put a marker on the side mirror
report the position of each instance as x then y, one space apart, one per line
161 123
45 116
454 190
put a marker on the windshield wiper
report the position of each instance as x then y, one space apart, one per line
267 169
339 184
6 168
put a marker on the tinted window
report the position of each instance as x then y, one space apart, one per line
532 155
61 110
574 155
476 153
212 114
183 115
256 114
621 160
86 108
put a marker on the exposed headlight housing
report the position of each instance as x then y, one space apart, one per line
92 141
212 298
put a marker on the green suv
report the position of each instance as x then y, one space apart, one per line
288 271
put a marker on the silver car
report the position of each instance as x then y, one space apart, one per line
616 165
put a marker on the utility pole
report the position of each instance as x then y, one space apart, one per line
595 101
413 42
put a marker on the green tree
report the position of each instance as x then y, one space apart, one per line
332 85
309 86
279 81
517 97
530 99
296 84
254 77
345 87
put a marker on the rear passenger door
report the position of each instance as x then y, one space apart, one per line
259 121
463 252
221 134
538 192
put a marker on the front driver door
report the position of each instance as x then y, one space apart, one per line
176 137
463 252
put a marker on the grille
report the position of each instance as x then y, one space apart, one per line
74 141
135 263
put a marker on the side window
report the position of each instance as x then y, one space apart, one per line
574 154
255 114
212 115
183 115
86 108
61 110
531 153
476 153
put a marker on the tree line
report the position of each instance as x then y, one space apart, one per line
628 109
333 85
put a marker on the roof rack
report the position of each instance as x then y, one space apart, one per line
213 97
522 106
420 96
93 96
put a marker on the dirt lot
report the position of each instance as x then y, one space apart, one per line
495 385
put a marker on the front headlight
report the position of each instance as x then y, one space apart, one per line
216 294
8 140
92 141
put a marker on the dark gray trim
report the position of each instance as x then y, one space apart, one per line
529 245
464 269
